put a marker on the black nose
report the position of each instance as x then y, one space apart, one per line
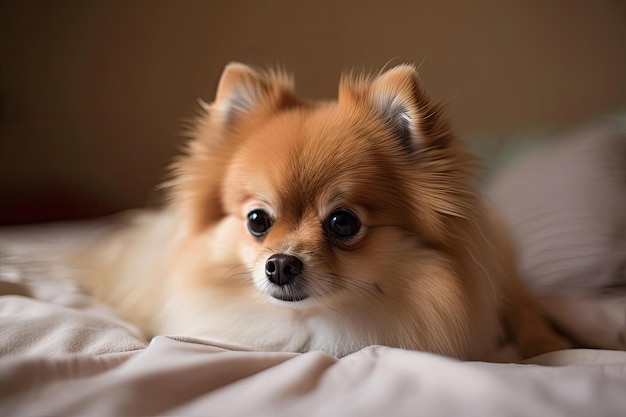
282 269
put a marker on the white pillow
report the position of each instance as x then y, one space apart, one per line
566 207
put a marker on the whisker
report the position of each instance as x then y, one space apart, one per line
237 271
341 282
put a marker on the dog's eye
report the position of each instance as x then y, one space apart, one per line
343 224
259 222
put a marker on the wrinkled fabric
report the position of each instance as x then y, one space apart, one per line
173 377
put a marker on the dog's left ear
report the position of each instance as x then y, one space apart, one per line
402 105
394 94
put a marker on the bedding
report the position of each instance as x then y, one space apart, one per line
565 204
64 353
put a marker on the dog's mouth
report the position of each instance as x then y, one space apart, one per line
288 293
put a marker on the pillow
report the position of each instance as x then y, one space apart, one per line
566 207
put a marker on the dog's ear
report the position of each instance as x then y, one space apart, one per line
394 94
402 105
244 96
243 90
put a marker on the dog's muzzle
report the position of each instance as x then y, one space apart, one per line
285 272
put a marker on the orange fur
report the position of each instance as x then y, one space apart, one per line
428 269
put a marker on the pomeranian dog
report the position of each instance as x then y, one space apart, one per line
331 226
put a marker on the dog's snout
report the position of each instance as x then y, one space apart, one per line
281 269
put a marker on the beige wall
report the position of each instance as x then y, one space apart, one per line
93 92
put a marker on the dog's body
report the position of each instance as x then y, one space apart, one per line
324 226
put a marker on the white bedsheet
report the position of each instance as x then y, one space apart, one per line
64 353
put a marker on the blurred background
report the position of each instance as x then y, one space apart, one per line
93 94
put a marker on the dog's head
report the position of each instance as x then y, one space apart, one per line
335 200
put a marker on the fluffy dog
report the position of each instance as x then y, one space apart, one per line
297 226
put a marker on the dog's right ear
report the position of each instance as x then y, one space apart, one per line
244 96
243 91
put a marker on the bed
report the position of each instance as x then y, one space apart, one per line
64 353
